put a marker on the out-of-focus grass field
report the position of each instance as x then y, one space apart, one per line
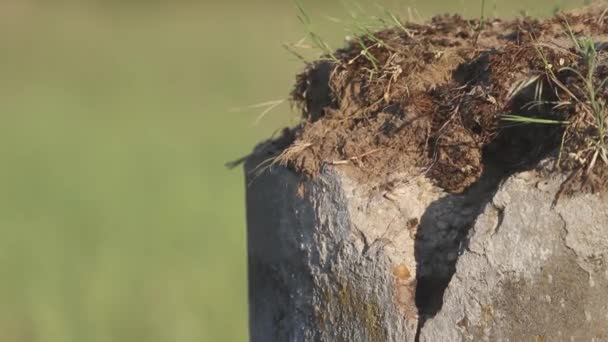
118 220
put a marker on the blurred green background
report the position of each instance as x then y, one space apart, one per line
118 220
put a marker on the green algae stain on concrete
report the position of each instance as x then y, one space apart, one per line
348 306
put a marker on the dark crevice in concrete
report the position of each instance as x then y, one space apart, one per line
442 237
443 234
500 212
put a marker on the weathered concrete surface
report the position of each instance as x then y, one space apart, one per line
333 260
330 260
530 272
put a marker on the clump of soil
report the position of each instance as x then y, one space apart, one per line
433 100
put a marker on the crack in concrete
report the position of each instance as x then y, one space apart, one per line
565 230
500 217
443 234
574 252
363 239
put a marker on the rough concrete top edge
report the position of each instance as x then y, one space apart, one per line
265 153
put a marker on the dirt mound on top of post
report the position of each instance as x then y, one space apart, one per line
448 97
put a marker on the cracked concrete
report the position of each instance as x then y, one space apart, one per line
339 263
541 276
344 262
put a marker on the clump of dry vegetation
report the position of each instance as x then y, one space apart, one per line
449 96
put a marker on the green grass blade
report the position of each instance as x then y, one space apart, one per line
529 120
